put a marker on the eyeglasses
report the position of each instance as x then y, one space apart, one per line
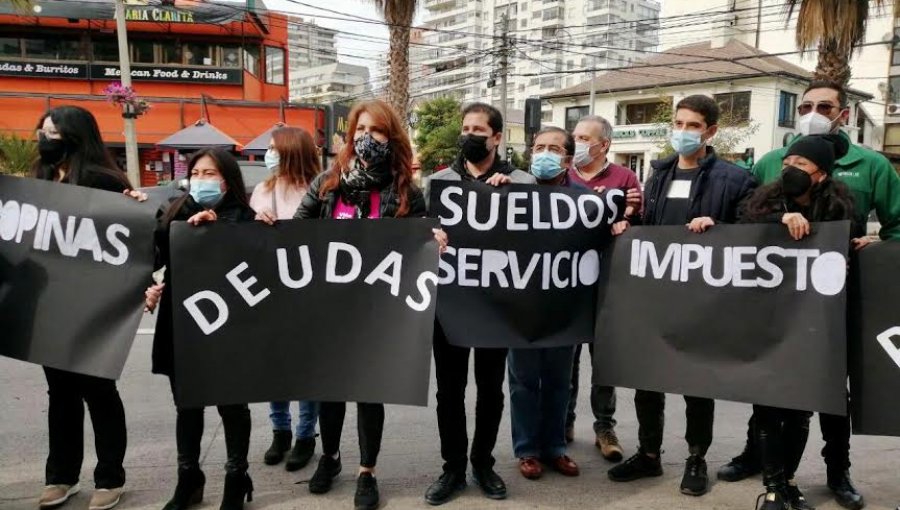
822 108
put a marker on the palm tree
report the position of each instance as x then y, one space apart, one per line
22 5
834 27
399 16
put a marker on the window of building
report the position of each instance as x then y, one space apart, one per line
198 54
230 56
638 113
523 23
574 114
787 108
54 48
895 51
734 107
10 47
251 59
274 65
546 115
142 52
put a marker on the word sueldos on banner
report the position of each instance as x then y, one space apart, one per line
45 230
524 211
739 266
344 264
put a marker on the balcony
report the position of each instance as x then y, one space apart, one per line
438 4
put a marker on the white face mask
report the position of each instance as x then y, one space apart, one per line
582 154
272 160
814 123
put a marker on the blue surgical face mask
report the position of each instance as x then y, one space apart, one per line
272 160
685 142
206 192
546 165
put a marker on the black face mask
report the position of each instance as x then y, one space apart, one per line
52 150
474 147
795 182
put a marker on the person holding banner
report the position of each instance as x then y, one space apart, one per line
293 160
72 152
371 178
697 189
478 161
805 193
216 193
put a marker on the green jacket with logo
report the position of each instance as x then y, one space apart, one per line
870 176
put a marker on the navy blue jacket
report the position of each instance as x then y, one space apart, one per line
718 190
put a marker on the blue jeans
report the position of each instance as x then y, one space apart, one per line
539 382
603 399
280 414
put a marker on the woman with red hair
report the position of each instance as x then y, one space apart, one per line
370 178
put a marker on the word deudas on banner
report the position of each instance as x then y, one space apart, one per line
21 221
475 267
388 271
739 266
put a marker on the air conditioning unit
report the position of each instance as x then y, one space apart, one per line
893 108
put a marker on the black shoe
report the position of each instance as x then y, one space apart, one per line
695 481
328 469
489 482
795 498
237 487
366 497
844 492
638 466
445 487
189 491
741 467
771 500
281 442
301 454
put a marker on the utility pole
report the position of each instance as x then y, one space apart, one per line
131 150
593 87
504 71
758 21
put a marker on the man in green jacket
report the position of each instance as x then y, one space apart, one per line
875 185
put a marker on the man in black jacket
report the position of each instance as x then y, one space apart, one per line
696 189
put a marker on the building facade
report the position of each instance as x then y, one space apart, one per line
217 62
329 83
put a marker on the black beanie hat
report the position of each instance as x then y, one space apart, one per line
823 150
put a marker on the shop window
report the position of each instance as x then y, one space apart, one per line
54 48
274 65
198 54
105 50
10 47
142 52
171 52
231 56
251 60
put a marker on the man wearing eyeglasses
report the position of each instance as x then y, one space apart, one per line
875 185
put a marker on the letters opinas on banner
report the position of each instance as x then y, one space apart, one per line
77 234
477 268
738 266
387 271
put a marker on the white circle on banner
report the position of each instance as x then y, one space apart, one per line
589 268
9 220
829 273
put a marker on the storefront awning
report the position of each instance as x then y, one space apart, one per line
202 135
260 144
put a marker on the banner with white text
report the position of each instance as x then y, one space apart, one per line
740 312
74 264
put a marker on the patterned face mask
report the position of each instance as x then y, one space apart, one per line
370 150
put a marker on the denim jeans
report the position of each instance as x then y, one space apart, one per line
539 400
280 414
603 399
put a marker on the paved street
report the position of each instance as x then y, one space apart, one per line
410 456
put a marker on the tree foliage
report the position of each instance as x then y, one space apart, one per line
17 155
440 122
732 134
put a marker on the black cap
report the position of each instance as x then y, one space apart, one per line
823 150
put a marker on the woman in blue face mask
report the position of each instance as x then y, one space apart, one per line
217 193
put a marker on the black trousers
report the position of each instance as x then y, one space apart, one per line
781 435
452 373
650 408
369 425
189 434
68 392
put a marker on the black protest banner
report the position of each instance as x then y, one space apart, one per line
522 263
875 340
312 310
74 263
740 312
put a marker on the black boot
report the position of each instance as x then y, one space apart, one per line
844 492
237 487
281 442
189 491
301 454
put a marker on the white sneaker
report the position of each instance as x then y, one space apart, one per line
56 495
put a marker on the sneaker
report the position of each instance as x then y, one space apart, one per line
794 497
608 443
844 492
281 442
771 500
445 487
638 466
695 481
55 495
301 454
328 469
366 497
741 467
104 499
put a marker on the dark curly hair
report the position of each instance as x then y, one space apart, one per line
830 200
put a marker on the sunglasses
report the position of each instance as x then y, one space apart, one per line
821 108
